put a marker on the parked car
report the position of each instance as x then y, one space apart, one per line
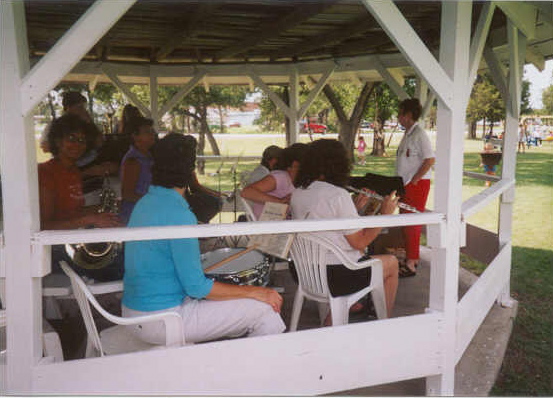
314 128
366 125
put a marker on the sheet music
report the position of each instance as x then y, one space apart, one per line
277 245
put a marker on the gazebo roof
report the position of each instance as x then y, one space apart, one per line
221 35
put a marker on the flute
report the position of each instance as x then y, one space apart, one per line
381 198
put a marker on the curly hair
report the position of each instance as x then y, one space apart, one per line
294 152
325 158
62 127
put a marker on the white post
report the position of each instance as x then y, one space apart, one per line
154 111
294 106
454 50
517 44
20 205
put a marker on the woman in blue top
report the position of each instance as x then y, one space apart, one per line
167 275
136 167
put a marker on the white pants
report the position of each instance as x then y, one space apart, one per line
205 320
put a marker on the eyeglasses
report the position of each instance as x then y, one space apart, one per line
76 138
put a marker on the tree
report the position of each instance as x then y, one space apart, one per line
525 108
348 125
384 105
547 99
196 104
485 104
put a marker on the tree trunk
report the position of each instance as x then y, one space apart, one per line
472 130
51 106
379 148
349 126
286 99
221 121
484 128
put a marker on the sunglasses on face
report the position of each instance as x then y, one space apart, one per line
76 138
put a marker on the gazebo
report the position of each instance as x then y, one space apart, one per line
442 44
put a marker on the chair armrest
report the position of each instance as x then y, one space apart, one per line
174 333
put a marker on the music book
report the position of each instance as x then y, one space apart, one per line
277 245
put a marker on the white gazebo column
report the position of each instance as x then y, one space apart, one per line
294 105
517 44
154 111
20 205
454 49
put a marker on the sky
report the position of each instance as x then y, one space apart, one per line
538 82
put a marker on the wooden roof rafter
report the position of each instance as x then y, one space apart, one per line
297 15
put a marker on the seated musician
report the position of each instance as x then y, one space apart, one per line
205 203
62 203
279 184
136 167
269 160
167 275
321 194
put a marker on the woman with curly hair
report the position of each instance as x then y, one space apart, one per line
322 178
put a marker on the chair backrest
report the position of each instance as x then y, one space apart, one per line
310 262
83 297
248 208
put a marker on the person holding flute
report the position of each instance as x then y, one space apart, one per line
415 159
321 193
167 275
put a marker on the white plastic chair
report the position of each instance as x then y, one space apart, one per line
309 253
118 339
250 215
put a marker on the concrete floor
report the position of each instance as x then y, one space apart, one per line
476 372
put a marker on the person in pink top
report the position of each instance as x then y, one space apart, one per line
361 146
279 184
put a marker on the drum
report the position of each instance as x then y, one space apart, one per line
250 269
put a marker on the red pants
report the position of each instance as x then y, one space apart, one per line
415 195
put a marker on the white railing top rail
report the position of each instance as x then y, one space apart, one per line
230 229
482 199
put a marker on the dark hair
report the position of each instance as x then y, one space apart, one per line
62 127
325 158
139 122
129 116
271 152
174 160
411 105
70 98
294 152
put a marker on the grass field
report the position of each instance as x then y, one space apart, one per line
528 366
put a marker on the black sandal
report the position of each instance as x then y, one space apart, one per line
405 272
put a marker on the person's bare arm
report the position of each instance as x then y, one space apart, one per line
196 186
257 192
425 166
362 238
224 291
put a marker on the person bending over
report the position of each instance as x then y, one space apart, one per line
167 275
269 160
279 184
321 193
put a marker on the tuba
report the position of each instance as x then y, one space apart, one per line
98 255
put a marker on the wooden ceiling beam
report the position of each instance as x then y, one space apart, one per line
190 29
336 36
299 14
